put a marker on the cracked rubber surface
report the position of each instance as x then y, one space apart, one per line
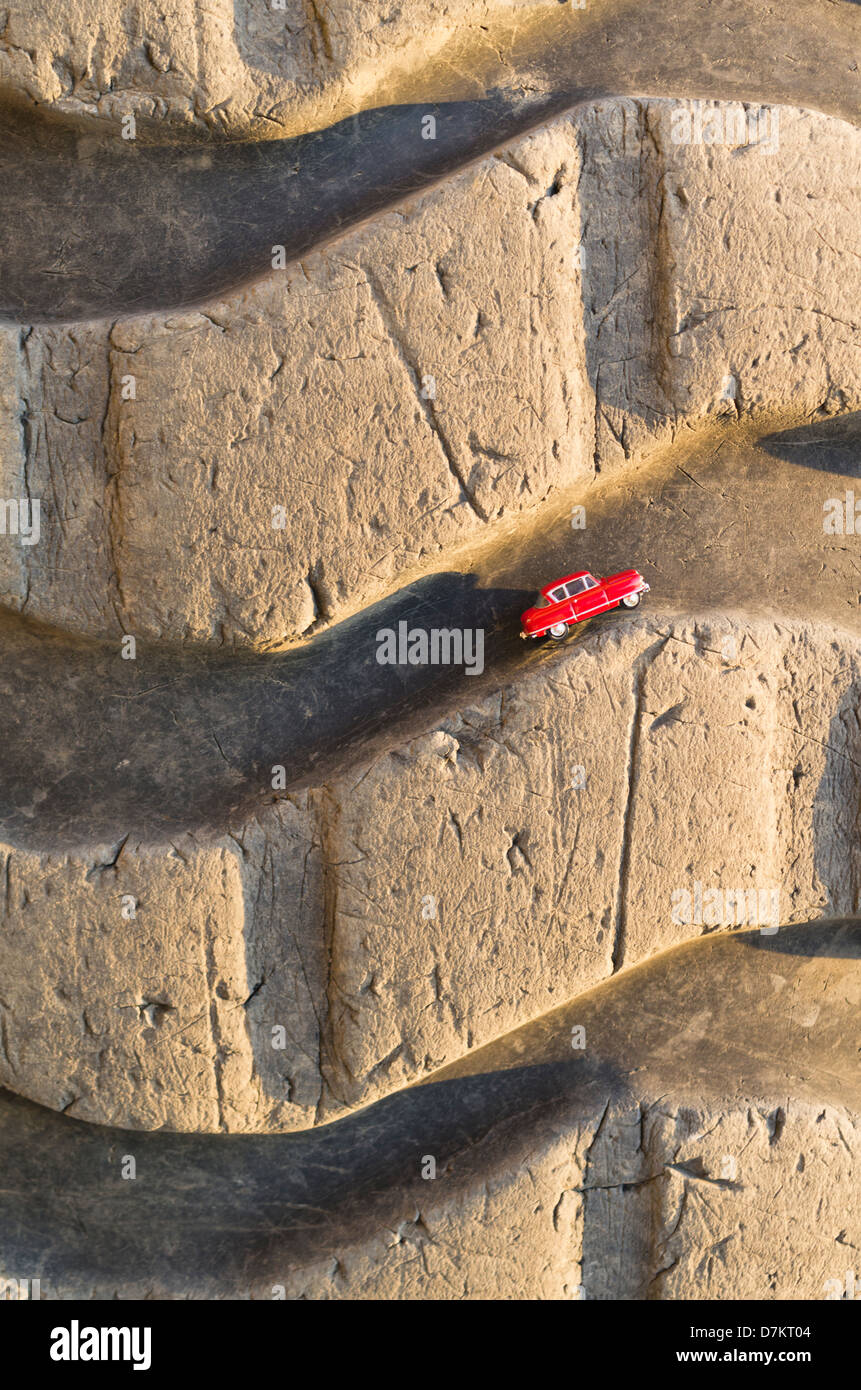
714 1076
320 1213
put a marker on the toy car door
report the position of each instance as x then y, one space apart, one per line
587 595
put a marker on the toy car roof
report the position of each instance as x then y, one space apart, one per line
566 579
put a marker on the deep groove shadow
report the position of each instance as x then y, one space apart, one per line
829 445
100 226
174 740
94 225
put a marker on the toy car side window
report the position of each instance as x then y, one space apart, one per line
576 586
589 582
558 595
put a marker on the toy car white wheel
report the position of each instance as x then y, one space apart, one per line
631 600
558 630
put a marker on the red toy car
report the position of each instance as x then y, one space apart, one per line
580 596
